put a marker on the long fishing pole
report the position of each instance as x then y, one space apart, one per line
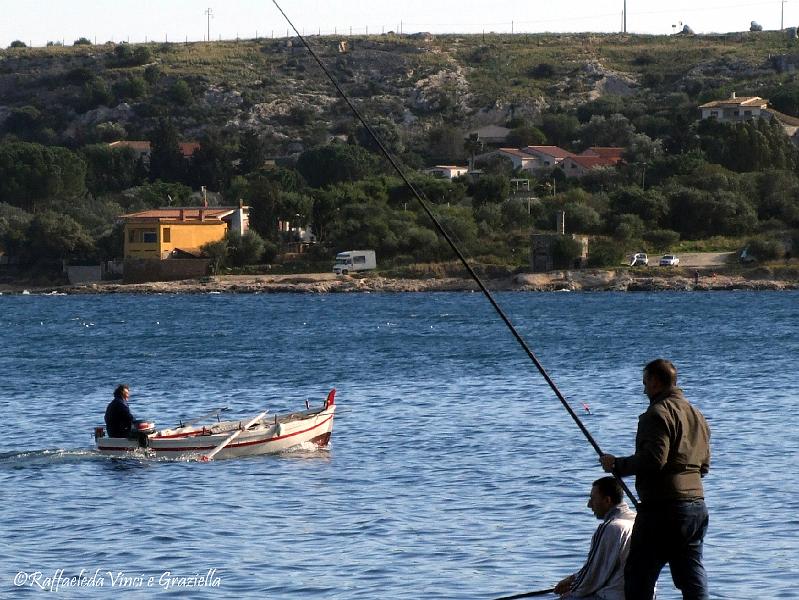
458 253
528 594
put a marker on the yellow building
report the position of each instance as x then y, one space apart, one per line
179 232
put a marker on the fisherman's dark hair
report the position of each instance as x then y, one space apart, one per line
663 370
119 389
609 486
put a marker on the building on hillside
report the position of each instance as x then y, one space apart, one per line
734 109
607 152
446 171
490 134
546 156
579 165
143 148
165 233
739 109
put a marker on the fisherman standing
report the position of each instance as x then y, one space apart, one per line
672 454
118 419
602 575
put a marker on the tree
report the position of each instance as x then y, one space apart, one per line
565 250
336 163
51 237
111 169
628 228
130 88
211 164
18 44
387 132
181 93
95 93
662 240
560 128
166 160
244 249
614 130
444 145
605 253
32 174
82 42
252 152
526 135
490 188
650 205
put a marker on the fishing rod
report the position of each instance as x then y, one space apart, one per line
528 594
486 292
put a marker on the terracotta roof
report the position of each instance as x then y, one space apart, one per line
603 151
188 149
136 145
553 151
589 162
741 101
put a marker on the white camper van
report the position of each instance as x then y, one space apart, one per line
354 260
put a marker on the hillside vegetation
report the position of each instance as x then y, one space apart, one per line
251 100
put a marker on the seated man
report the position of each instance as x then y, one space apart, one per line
118 419
602 575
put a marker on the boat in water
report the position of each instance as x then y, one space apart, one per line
263 434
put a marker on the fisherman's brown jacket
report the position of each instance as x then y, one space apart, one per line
672 450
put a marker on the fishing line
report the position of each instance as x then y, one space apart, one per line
458 253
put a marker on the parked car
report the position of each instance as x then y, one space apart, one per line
639 259
745 257
669 260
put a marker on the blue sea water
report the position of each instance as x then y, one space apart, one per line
453 471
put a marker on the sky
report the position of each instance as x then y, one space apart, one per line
35 22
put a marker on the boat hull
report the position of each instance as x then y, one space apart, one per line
265 437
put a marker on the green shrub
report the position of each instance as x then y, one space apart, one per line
605 253
662 239
763 249
564 252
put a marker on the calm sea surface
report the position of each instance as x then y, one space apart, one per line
453 470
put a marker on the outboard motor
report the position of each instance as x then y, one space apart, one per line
142 429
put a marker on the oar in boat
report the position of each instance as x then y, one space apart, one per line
212 413
528 594
231 437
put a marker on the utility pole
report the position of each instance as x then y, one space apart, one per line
209 12
625 16
782 14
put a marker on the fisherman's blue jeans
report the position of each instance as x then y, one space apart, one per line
667 533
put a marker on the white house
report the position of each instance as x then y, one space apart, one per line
735 109
490 134
446 171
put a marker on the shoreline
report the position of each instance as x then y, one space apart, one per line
587 280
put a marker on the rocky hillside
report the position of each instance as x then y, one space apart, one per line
82 94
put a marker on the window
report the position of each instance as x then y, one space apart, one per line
359 260
167 235
149 236
714 113
131 236
747 113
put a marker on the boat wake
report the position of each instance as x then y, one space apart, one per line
48 456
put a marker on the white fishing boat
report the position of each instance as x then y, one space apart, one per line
263 434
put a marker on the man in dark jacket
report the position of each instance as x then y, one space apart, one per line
672 454
118 419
